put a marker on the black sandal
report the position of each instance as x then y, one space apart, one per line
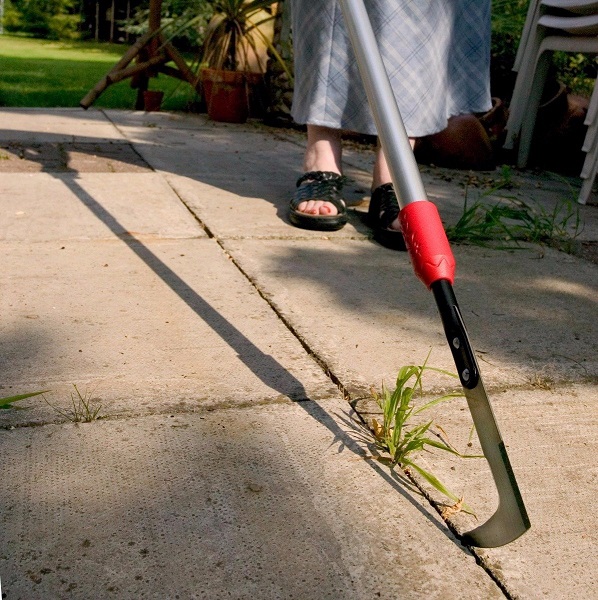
384 209
319 185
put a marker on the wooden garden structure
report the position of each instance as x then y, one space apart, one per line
150 52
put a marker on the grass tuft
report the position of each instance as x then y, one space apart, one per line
402 440
83 409
508 222
6 403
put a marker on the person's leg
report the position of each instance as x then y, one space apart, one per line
381 176
323 153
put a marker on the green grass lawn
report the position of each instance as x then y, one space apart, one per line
43 73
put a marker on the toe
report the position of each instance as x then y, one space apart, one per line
327 209
317 207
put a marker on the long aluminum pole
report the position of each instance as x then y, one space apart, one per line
397 149
434 264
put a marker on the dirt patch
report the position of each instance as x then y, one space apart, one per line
589 251
73 157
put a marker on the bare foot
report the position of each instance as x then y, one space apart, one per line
323 153
317 207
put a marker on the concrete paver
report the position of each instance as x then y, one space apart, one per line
149 259
268 502
225 171
144 325
537 317
39 125
51 207
550 434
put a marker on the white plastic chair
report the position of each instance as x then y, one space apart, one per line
545 33
534 12
581 7
531 20
590 147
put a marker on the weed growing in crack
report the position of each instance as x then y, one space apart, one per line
83 408
541 381
510 220
401 439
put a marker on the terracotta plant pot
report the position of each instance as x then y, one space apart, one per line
226 94
560 132
464 144
152 100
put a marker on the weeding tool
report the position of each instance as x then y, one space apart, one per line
434 264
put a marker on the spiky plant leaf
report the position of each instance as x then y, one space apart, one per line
6 402
438 485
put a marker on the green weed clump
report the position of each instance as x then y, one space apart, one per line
402 440
83 408
509 221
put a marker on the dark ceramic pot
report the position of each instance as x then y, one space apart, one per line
152 100
226 94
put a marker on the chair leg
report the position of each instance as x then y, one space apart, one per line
588 172
591 121
588 162
588 182
531 107
531 18
522 89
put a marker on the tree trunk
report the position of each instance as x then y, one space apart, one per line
279 85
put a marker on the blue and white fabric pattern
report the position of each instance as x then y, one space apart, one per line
436 52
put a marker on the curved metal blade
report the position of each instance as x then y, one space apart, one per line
510 519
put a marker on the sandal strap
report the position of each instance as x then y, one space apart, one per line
384 206
338 180
320 185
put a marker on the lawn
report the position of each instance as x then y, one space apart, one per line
42 73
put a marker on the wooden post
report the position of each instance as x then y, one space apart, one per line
97 32
141 81
155 18
112 18
155 14
151 53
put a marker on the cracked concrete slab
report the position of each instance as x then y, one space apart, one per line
172 321
272 502
537 317
140 322
551 432
240 210
222 172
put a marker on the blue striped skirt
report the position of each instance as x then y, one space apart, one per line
436 52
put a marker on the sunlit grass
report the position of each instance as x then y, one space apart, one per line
8 402
43 73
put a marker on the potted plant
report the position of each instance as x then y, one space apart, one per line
152 100
233 58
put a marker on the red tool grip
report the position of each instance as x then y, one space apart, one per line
426 241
